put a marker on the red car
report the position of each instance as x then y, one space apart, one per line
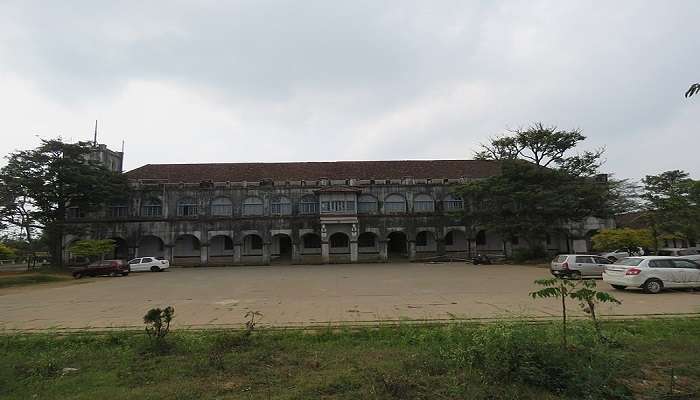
106 267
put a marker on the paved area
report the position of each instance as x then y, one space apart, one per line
307 295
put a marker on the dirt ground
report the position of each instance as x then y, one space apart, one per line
308 295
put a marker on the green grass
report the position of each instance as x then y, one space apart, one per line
30 279
468 361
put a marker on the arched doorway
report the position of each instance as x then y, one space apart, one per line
339 243
151 246
186 250
397 245
220 249
282 247
456 240
252 245
121 250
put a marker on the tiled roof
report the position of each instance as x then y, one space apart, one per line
253 172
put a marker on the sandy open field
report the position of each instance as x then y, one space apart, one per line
307 295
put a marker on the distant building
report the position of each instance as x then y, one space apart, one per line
112 160
304 212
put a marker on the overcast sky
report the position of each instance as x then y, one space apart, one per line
183 82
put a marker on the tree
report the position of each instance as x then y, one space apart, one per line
544 147
92 248
672 202
6 252
37 186
611 239
560 289
589 297
693 89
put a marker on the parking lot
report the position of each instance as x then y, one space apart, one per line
308 295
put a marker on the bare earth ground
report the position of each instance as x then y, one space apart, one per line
308 295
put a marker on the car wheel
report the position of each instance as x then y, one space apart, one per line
619 287
155 269
77 275
125 274
575 275
653 286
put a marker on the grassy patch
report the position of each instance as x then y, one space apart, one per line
30 279
470 361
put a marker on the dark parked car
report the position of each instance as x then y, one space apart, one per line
106 267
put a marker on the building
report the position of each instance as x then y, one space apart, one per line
305 212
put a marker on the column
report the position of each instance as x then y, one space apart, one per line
266 253
440 246
296 254
168 253
384 250
325 253
236 253
411 250
353 251
204 254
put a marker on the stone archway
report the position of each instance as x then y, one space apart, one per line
151 246
187 250
121 249
282 247
397 245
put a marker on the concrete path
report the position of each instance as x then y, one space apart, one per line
307 295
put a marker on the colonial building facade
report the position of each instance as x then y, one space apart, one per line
315 212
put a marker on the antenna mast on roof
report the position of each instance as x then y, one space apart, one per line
95 140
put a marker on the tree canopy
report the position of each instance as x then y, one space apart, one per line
38 185
92 248
612 239
672 202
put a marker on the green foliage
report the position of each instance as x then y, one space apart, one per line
7 252
251 322
589 297
158 322
673 205
37 186
92 248
530 202
556 288
30 279
536 252
611 239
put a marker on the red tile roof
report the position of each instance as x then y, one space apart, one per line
253 172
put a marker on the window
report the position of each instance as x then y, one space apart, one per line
281 206
228 243
312 241
152 208
630 262
338 206
583 260
367 204
661 264
253 206
221 206
423 203
146 260
366 239
308 205
394 203
601 260
422 239
685 264
118 210
256 242
186 207
452 203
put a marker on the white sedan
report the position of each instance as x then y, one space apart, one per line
148 264
653 273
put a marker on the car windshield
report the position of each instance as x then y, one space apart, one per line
629 261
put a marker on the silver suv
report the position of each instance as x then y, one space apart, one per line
578 265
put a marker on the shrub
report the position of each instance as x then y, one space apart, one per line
529 254
158 322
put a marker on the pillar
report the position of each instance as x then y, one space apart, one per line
325 253
440 243
266 253
383 250
204 254
236 253
411 250
296 254
168 252
353 251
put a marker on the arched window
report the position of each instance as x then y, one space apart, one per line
453 203
152 208
280 205
367 204
186 207
253 206
394 203
423 203
221 206
422 238
339 240
308 205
